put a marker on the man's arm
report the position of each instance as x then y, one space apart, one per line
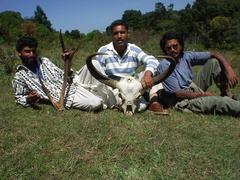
231 76
185 94
33 97
21 96
151 64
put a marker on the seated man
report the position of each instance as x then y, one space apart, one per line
122 58
180 90
38 71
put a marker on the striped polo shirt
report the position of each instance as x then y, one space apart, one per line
116 66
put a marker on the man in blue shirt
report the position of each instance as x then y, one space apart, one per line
180 90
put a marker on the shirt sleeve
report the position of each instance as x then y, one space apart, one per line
170 84
198 58
21 90
150 62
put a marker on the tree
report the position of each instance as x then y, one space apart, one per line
41 18
67 33
160 9
149 20
75 34
185 23
218 29
94 35
10 24
43 32
133 18
170 7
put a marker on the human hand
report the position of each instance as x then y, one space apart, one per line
33 97
67 54
232 78
147 79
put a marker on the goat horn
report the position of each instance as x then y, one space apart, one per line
67 66
56 104
99 76
161 77
61 41
59 105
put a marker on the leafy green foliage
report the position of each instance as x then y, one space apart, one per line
8 61
41 18
10 25
93 41
134 18
200 20
219 26
199 23
211 23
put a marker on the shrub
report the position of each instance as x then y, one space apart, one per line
8 60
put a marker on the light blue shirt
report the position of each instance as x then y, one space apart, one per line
116 66
182 76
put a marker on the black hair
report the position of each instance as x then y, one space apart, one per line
26 41
171 35
118 22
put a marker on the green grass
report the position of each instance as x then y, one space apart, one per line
46 144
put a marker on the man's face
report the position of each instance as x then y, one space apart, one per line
120 37
28 55
173 48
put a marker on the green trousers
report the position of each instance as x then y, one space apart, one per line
210 73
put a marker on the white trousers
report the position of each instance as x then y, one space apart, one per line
85 100
85 80
109 96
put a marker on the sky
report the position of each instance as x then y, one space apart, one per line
85 15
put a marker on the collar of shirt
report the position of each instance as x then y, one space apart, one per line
37 71
110 47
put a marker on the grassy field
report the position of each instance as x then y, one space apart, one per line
46 144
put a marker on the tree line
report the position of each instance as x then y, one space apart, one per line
211 23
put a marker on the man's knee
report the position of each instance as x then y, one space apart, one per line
94 104
213 65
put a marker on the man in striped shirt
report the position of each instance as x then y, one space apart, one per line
35 71
123 58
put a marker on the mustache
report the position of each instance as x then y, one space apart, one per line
120 42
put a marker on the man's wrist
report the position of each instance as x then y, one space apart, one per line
148 73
